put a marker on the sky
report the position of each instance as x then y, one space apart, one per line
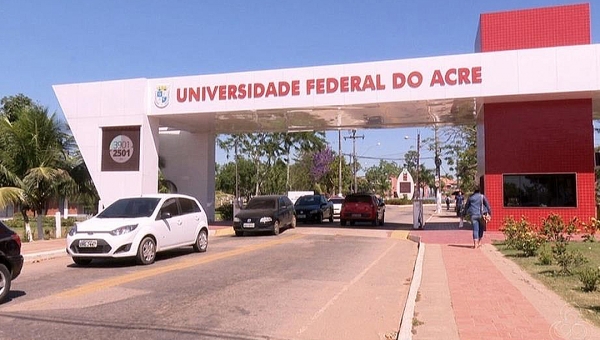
45 43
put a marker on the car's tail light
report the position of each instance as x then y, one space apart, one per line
17 239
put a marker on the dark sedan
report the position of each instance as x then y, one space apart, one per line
313 208
11 260
265 213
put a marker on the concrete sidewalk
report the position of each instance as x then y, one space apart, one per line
468 293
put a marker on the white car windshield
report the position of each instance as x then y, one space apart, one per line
130 208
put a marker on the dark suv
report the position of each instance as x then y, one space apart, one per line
362 208
11 260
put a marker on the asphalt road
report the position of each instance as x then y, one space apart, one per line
312 282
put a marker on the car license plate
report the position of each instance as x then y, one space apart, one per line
88 243
249 225
356 215
301 216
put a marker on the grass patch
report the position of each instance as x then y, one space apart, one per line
568 287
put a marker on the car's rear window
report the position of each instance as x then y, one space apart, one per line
261 203
337 200
306 200
359 199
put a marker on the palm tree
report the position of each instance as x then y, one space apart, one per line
33 162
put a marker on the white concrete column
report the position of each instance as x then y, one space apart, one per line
58 225
190 164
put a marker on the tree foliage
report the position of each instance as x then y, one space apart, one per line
34 158
379 177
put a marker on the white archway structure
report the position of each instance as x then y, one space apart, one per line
178 118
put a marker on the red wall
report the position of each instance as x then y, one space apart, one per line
534 28
539 137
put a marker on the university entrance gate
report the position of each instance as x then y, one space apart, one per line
532 87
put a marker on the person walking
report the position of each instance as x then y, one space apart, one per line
447 202
477 206
459 203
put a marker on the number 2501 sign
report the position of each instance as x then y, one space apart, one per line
121 149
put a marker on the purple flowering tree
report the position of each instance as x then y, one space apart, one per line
321 162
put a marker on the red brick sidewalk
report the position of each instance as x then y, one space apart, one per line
481 300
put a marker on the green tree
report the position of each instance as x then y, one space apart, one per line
225 177
33 160
299 142
459 149
378 176
10 106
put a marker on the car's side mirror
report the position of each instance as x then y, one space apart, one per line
164 215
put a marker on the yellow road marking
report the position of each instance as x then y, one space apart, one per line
401 234
119 280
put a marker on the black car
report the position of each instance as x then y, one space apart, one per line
11 260
265 213
313 208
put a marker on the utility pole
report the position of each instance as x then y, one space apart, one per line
354 137
340 162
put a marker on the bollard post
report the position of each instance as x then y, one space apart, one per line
58 225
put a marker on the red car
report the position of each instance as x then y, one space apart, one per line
362 208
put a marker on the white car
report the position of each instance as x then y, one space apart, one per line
140 227
337 205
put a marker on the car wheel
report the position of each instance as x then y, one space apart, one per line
82 261
201 241
5 278
382 221
375 221
146 251
342 222
276 228
331 215
239 233
320 218
293 224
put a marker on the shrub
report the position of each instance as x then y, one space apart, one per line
590 278
567 260
510 230
530 243
398 201
225 211
554 228
521 235
545 257
590 229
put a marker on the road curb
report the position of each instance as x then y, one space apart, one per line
405 332
44 255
